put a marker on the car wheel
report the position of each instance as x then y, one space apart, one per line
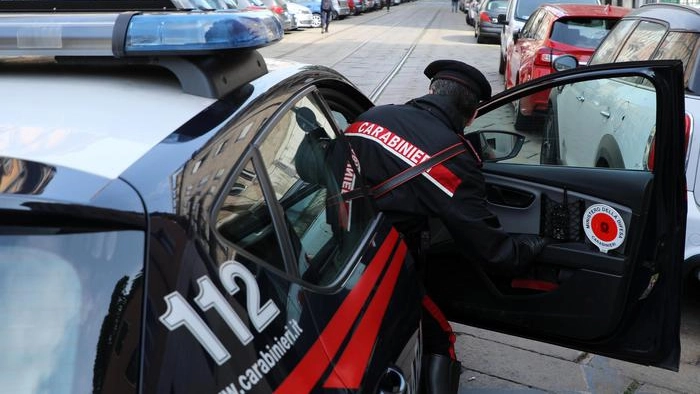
502 65
479 38
334 15
549 151
316 20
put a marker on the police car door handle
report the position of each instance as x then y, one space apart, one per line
580 98
392 382
605 114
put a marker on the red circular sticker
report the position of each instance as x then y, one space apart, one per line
604 227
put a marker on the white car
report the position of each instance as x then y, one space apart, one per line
302 14
625 127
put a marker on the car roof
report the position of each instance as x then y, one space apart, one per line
121 116
678 17
586 10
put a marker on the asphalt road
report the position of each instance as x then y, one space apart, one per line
384 54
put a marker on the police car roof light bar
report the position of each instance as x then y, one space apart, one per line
161 34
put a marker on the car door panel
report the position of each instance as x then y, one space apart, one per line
608 281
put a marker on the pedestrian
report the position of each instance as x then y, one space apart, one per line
454 5
326 14
455 194
388 5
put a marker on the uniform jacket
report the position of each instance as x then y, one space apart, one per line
389 138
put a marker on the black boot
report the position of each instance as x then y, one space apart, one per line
440 374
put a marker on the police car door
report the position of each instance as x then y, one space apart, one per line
351 276
609 280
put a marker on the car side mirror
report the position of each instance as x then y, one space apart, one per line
496 145
502 19
565 62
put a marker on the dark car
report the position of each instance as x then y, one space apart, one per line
486 20
650 32
170 223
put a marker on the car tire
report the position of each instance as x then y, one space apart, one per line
334 15
502 65
316 20
549 150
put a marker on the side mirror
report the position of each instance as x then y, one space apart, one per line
565 62
502 19
496 145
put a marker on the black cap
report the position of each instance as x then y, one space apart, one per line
459 72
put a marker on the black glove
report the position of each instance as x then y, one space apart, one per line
529 246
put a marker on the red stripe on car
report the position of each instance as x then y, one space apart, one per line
355 358
314 363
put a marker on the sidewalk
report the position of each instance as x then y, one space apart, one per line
497 363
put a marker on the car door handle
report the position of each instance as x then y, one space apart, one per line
580 98
605 114
392 382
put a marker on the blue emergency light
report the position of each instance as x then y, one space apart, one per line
135 33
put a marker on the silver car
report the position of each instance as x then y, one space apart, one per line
302 14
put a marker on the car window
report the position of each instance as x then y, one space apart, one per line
530 26
582 32
642 43
63 299
324 230
683 46
608 48
542 27
607 122
525 8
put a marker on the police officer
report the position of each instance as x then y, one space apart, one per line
388 139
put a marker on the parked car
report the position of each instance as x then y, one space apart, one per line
486 23
340 9
351 6
302 14
315 7
279 8
554 30
654 31
170 223
360 7
514 19
472 11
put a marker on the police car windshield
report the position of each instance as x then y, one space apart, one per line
59 295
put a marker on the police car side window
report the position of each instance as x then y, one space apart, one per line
304 180
244 219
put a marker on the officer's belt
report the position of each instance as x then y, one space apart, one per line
405 175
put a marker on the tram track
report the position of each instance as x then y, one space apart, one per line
378 34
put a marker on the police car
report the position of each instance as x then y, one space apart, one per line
168 228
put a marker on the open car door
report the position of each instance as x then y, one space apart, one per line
609 281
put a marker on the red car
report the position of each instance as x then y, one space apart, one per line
551 31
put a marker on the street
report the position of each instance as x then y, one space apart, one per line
384 54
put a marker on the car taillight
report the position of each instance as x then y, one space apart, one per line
278 10
652 147
544 57
484 17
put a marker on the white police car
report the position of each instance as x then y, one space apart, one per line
157 236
